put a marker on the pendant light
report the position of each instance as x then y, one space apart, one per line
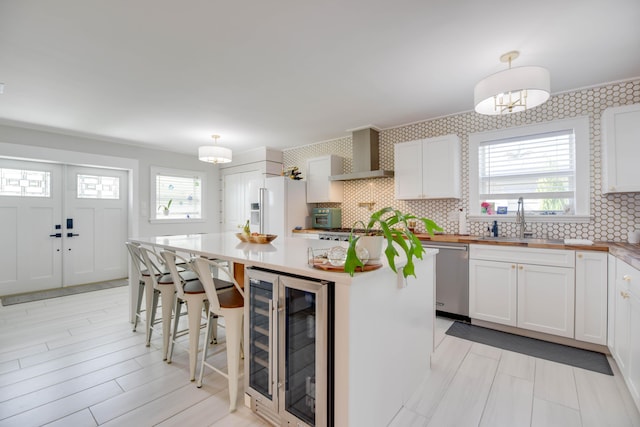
214 153
512 90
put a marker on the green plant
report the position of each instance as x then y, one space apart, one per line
393 226
165 207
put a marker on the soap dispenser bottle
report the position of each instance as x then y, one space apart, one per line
494 229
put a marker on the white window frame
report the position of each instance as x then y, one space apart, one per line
154 215
580 126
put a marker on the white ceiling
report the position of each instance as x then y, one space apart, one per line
283 73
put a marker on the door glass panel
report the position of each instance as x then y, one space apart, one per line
261 294
300 357
98 187
25 183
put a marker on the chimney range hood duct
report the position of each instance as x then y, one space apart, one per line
365 157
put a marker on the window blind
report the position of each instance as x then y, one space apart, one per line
540 168
184 193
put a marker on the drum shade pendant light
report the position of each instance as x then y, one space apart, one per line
512 90
214 153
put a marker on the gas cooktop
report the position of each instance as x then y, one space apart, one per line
341 234
342 230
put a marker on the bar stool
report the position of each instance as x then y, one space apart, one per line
230 305
193 294
136 261
162 281
149 273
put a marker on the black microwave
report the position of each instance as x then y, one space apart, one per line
326 218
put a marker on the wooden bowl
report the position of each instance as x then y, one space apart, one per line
256 238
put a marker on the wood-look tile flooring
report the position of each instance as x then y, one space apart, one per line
472 384
74 361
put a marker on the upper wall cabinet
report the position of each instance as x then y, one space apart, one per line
428 168
621 149
319 188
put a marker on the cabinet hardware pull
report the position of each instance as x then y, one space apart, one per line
521 267
579 255
271 360
624 295
513 266
626 278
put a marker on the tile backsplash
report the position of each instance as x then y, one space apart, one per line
611 215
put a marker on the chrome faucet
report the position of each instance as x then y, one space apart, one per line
520 218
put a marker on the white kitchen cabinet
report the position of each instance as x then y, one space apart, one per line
528 288
626 316
633 374
546 299
319 188
240 191
428 168
611 301
591 297
621 320
620 149
493 291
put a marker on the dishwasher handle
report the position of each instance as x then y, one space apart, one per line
455 248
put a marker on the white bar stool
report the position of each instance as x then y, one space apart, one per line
230 305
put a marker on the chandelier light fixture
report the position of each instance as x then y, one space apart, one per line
214 153
512 90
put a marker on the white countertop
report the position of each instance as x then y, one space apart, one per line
286 254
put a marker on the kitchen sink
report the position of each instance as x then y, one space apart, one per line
522 240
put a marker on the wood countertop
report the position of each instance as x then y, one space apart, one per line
508 241
626 251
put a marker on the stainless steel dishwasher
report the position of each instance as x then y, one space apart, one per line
452 278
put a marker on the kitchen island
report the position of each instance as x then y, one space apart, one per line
383 323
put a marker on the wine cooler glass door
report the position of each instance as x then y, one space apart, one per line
303 350
260 332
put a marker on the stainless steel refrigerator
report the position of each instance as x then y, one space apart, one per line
283 206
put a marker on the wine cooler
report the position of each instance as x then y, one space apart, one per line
288 348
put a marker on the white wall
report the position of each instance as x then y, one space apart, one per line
32 144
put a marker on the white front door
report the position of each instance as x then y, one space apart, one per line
95 225
30 211
40 248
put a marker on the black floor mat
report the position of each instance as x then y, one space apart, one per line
579 358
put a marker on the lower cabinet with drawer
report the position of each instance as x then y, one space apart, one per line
554 291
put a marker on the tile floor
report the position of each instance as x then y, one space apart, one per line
74 361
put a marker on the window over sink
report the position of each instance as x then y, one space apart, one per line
545 164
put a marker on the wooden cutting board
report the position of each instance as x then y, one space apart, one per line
340 268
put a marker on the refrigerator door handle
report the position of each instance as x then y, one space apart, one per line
263 197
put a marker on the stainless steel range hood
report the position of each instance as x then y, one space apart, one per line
366 157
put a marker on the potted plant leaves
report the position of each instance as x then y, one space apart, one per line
394 230
165 208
